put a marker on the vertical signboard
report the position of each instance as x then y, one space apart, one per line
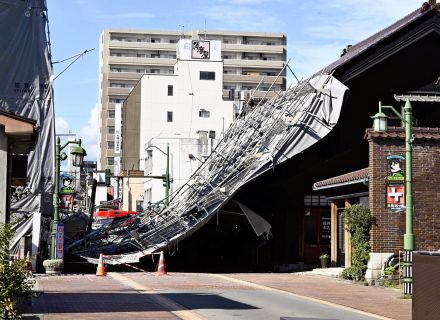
117 166
325 230
66 202
118 119
395 197
395 187
59 243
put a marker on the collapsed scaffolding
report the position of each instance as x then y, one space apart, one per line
269 133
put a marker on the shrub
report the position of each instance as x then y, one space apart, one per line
358 223
53 265
388 271
15 284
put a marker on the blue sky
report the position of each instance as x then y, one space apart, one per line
316 31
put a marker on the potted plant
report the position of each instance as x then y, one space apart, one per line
324 258
390 273
53 266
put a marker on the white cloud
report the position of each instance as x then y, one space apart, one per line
329 26
89 134
240 18
61 125
353 21
308 58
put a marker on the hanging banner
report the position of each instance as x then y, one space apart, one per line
59 243
395 197
117 166
118 119
66 202
395 169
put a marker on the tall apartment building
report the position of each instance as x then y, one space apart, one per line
251 60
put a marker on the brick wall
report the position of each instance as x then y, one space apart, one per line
389 227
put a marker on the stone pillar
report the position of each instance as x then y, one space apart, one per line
4 192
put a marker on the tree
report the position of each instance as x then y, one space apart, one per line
358 222
15 283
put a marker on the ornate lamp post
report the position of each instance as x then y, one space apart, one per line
380 125
77 153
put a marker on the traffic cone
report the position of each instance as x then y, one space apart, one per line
101 268
161 269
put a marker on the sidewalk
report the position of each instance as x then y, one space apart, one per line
137 295
91 297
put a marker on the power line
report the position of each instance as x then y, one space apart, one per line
76 58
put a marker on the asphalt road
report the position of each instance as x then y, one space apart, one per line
217 297
257 304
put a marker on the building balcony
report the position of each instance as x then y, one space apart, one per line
243 63
227 47
257 94
142 61
118 91
124 75
154 46
231 78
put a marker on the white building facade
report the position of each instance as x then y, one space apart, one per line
183 111
252 61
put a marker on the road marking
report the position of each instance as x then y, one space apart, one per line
173 307
331 304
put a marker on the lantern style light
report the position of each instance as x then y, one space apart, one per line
77 153
380 121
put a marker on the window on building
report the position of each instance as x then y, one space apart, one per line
111 129
111 114
212 134
204 113
111 145
316 201
169 116
110 161
139 205
170 90
116 100
207 75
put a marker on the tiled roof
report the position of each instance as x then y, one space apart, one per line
399 133
357 49
348 178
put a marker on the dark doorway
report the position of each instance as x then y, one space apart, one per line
316 226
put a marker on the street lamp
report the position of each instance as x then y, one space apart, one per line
77 153
380 125
166 177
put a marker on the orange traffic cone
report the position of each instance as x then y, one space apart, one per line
101 269
161 269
